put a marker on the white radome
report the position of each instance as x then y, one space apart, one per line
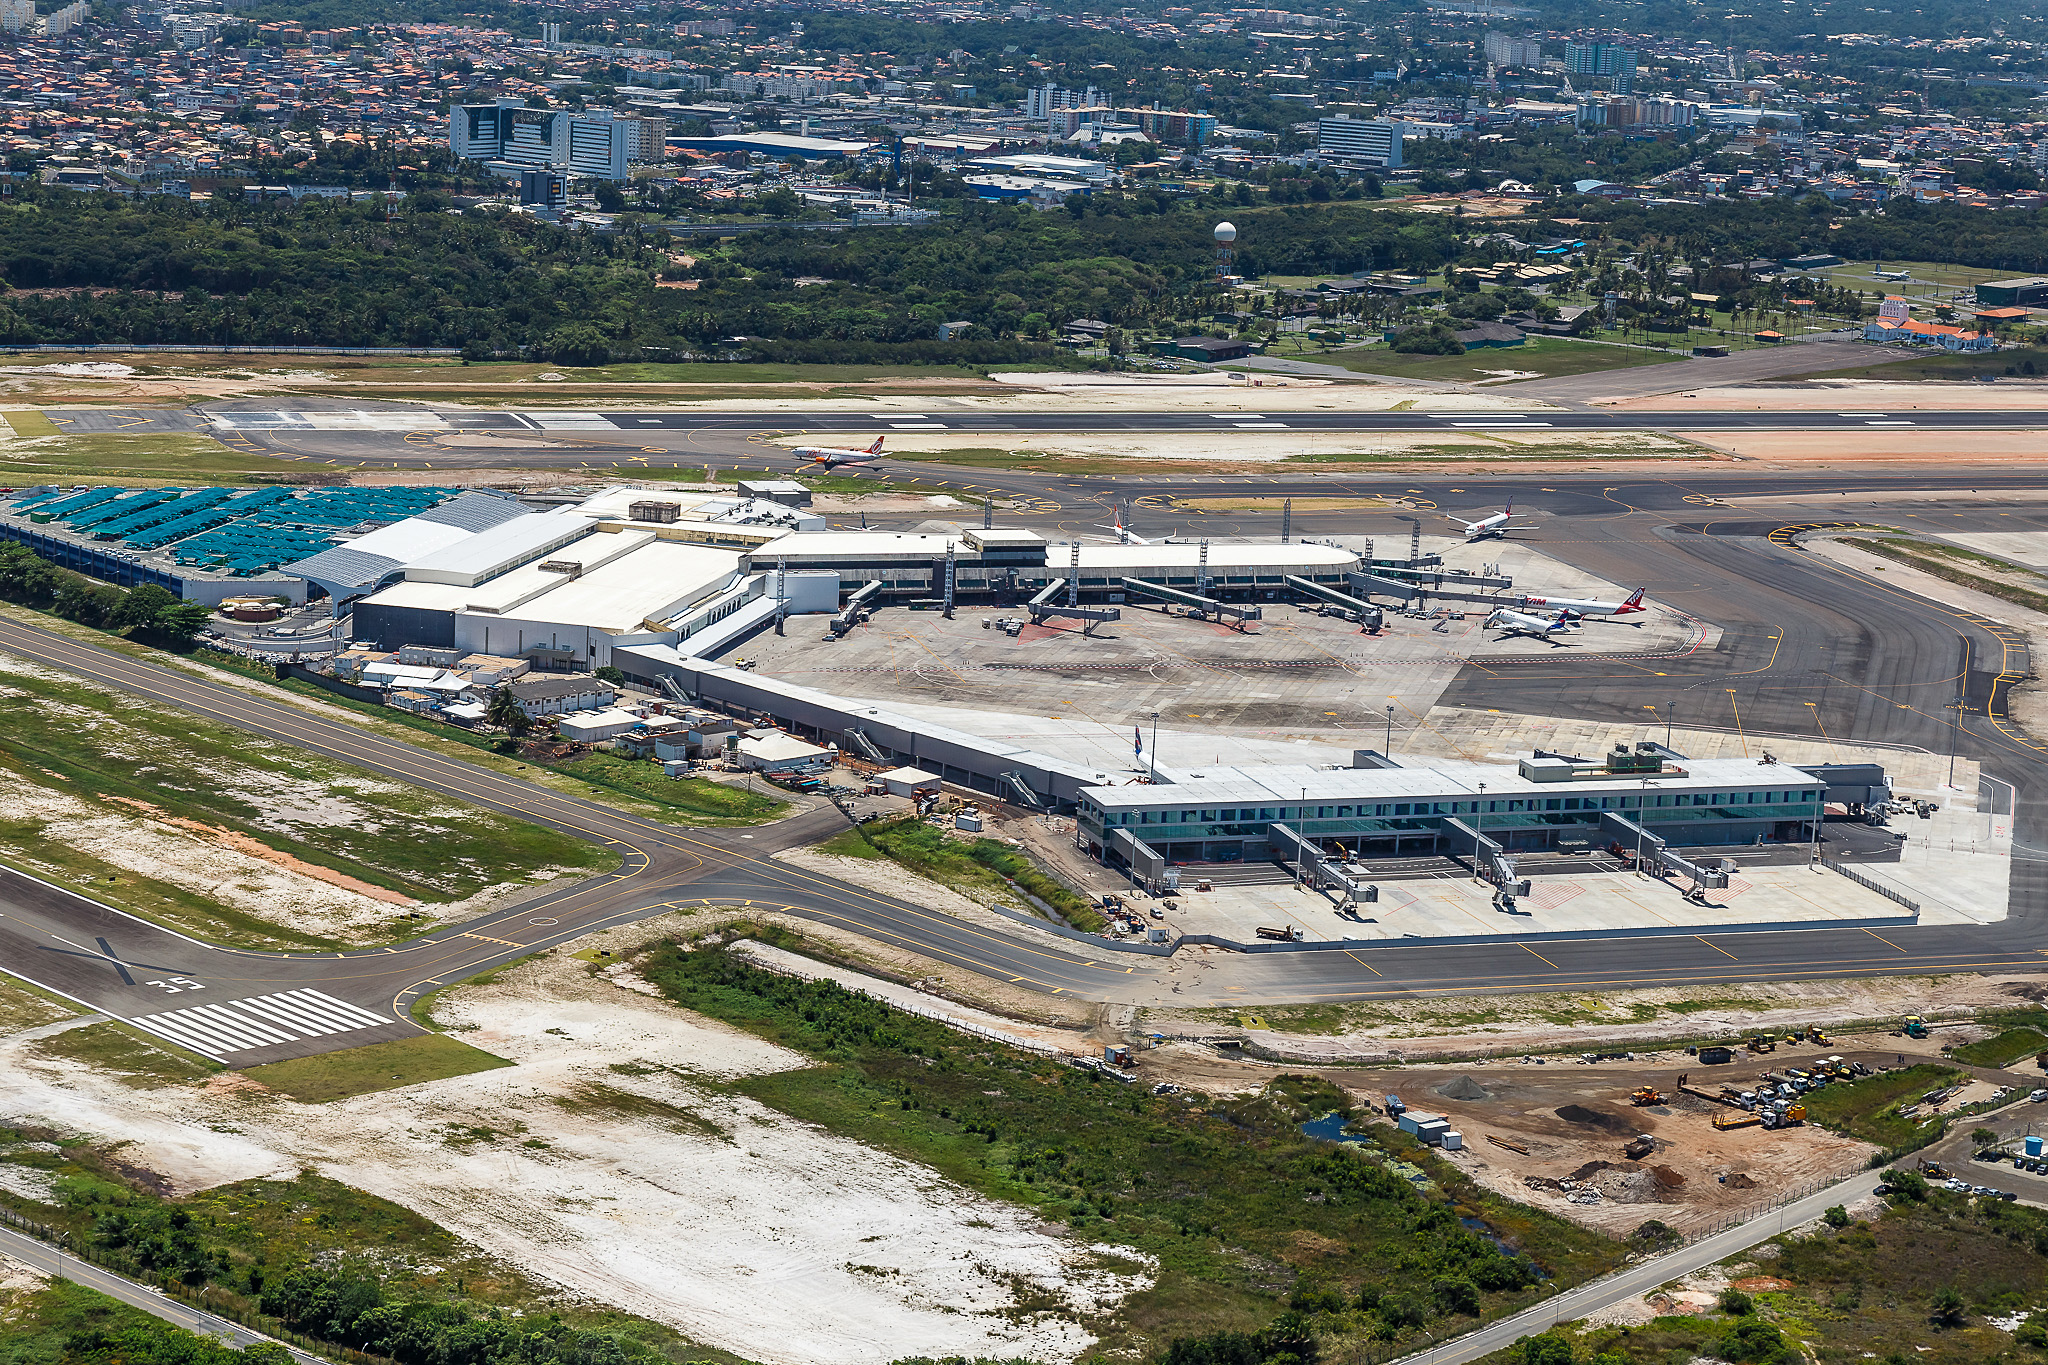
1226 232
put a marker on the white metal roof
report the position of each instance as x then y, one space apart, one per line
1222 555
490 553
1446 781
408 540
649 581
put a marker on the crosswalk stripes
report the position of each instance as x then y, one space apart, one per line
258 1021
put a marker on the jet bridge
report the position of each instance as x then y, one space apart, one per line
850 614
1490 862
1708 874
1369 616
1193 601
1322 871
1045 605
1148 865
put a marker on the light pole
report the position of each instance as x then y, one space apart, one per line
1301 833
1642 814
1390 740
1479 823
1155 748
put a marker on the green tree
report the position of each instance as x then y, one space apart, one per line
505 713
1735 1302
579 344
181 621
1946 1308
611 674
1836 1217
140 607
1546 1350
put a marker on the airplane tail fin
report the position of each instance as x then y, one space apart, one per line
876 448
1635 599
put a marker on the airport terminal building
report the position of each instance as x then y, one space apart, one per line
1226 814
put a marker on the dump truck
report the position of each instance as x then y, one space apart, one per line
1645 1095
1639 1147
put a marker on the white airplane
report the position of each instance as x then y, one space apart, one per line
1528 623
1123 536
1495 525
833 456
1898 276
1586 606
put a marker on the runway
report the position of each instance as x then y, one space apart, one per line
1873 662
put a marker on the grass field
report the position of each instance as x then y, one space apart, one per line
1869 1108
1966 568
2004 1049
1955 368
24 1006
1241 1213
38 456
977 867
138 1060
380 1066
1547 357
133 757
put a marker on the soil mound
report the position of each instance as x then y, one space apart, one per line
1593 1118
1464 1088
1595 1167
1739 1181
1667 1177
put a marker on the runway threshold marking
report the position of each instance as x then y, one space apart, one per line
486 938
1719 949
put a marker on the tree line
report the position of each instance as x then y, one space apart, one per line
148 611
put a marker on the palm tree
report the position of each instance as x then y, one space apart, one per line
506 713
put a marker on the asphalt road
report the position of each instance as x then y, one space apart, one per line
1637 1280
42 1256
1805 647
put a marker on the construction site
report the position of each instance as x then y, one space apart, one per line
1693 1137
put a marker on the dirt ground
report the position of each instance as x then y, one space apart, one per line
1844 395
1868 446
615 1160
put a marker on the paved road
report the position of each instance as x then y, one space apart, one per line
1637 1280
44 1257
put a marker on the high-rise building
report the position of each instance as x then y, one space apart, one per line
1502 50
594 144
1041 100
1184 129
1603 59
1372 139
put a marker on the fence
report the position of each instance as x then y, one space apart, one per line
1870 884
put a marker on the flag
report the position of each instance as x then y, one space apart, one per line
1137 741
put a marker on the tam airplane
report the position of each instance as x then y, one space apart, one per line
1124 535
1495 525
833 456
1528 623
1586 606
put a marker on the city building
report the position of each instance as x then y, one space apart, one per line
1040 101
2014 293
1602 59
1375 140
598 143
1502 50
1179 127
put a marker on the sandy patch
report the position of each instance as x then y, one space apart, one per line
1878 445
1844 395
652 1187
256 848
1236 446
888 878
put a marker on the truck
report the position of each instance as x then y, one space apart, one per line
1645 1095
1285 933
1724 1122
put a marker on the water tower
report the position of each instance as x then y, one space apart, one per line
1226 234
